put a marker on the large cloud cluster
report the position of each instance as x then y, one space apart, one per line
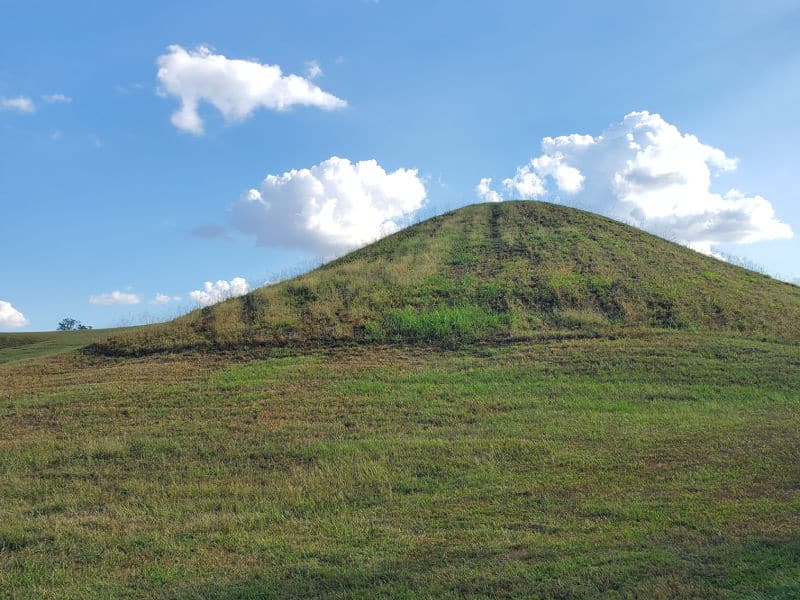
334 206
235 87
644 171
10 317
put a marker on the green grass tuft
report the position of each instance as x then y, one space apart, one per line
446 326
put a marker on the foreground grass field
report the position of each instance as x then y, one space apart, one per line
658 466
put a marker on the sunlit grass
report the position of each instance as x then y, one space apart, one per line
653 466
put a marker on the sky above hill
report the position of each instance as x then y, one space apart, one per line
164 155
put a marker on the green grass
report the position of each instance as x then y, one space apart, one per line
662 465
446 326
22 346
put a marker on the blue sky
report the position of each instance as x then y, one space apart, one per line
101 192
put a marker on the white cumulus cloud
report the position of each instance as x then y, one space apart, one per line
164 299
115 297
645 171
56 99
20 103
10 317
485 191
235 87
525 184
220 290
333 206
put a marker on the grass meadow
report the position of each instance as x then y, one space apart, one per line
664 465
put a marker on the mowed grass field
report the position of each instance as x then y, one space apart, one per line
664 465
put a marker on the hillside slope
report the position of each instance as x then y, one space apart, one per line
490 272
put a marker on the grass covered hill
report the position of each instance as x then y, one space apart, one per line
490 272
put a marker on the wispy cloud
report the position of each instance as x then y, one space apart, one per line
19 103
164 299
115 297
313 69
56 99
129 88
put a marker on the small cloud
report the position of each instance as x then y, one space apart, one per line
485 191
313 70
236 87
10 317
56 135
164 299
210 232
20 103
219 291
525 184
129 89
115 297
56 99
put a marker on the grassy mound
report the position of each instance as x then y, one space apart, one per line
490 272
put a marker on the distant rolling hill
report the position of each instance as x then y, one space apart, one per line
21 346
490 272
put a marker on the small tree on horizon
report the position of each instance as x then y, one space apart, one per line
70 324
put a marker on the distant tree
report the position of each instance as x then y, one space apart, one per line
67 324
70 324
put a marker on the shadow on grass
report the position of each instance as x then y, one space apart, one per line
764 569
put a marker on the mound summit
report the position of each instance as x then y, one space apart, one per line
489 273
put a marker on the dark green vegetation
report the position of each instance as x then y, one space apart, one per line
19 346
494 272
394 448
